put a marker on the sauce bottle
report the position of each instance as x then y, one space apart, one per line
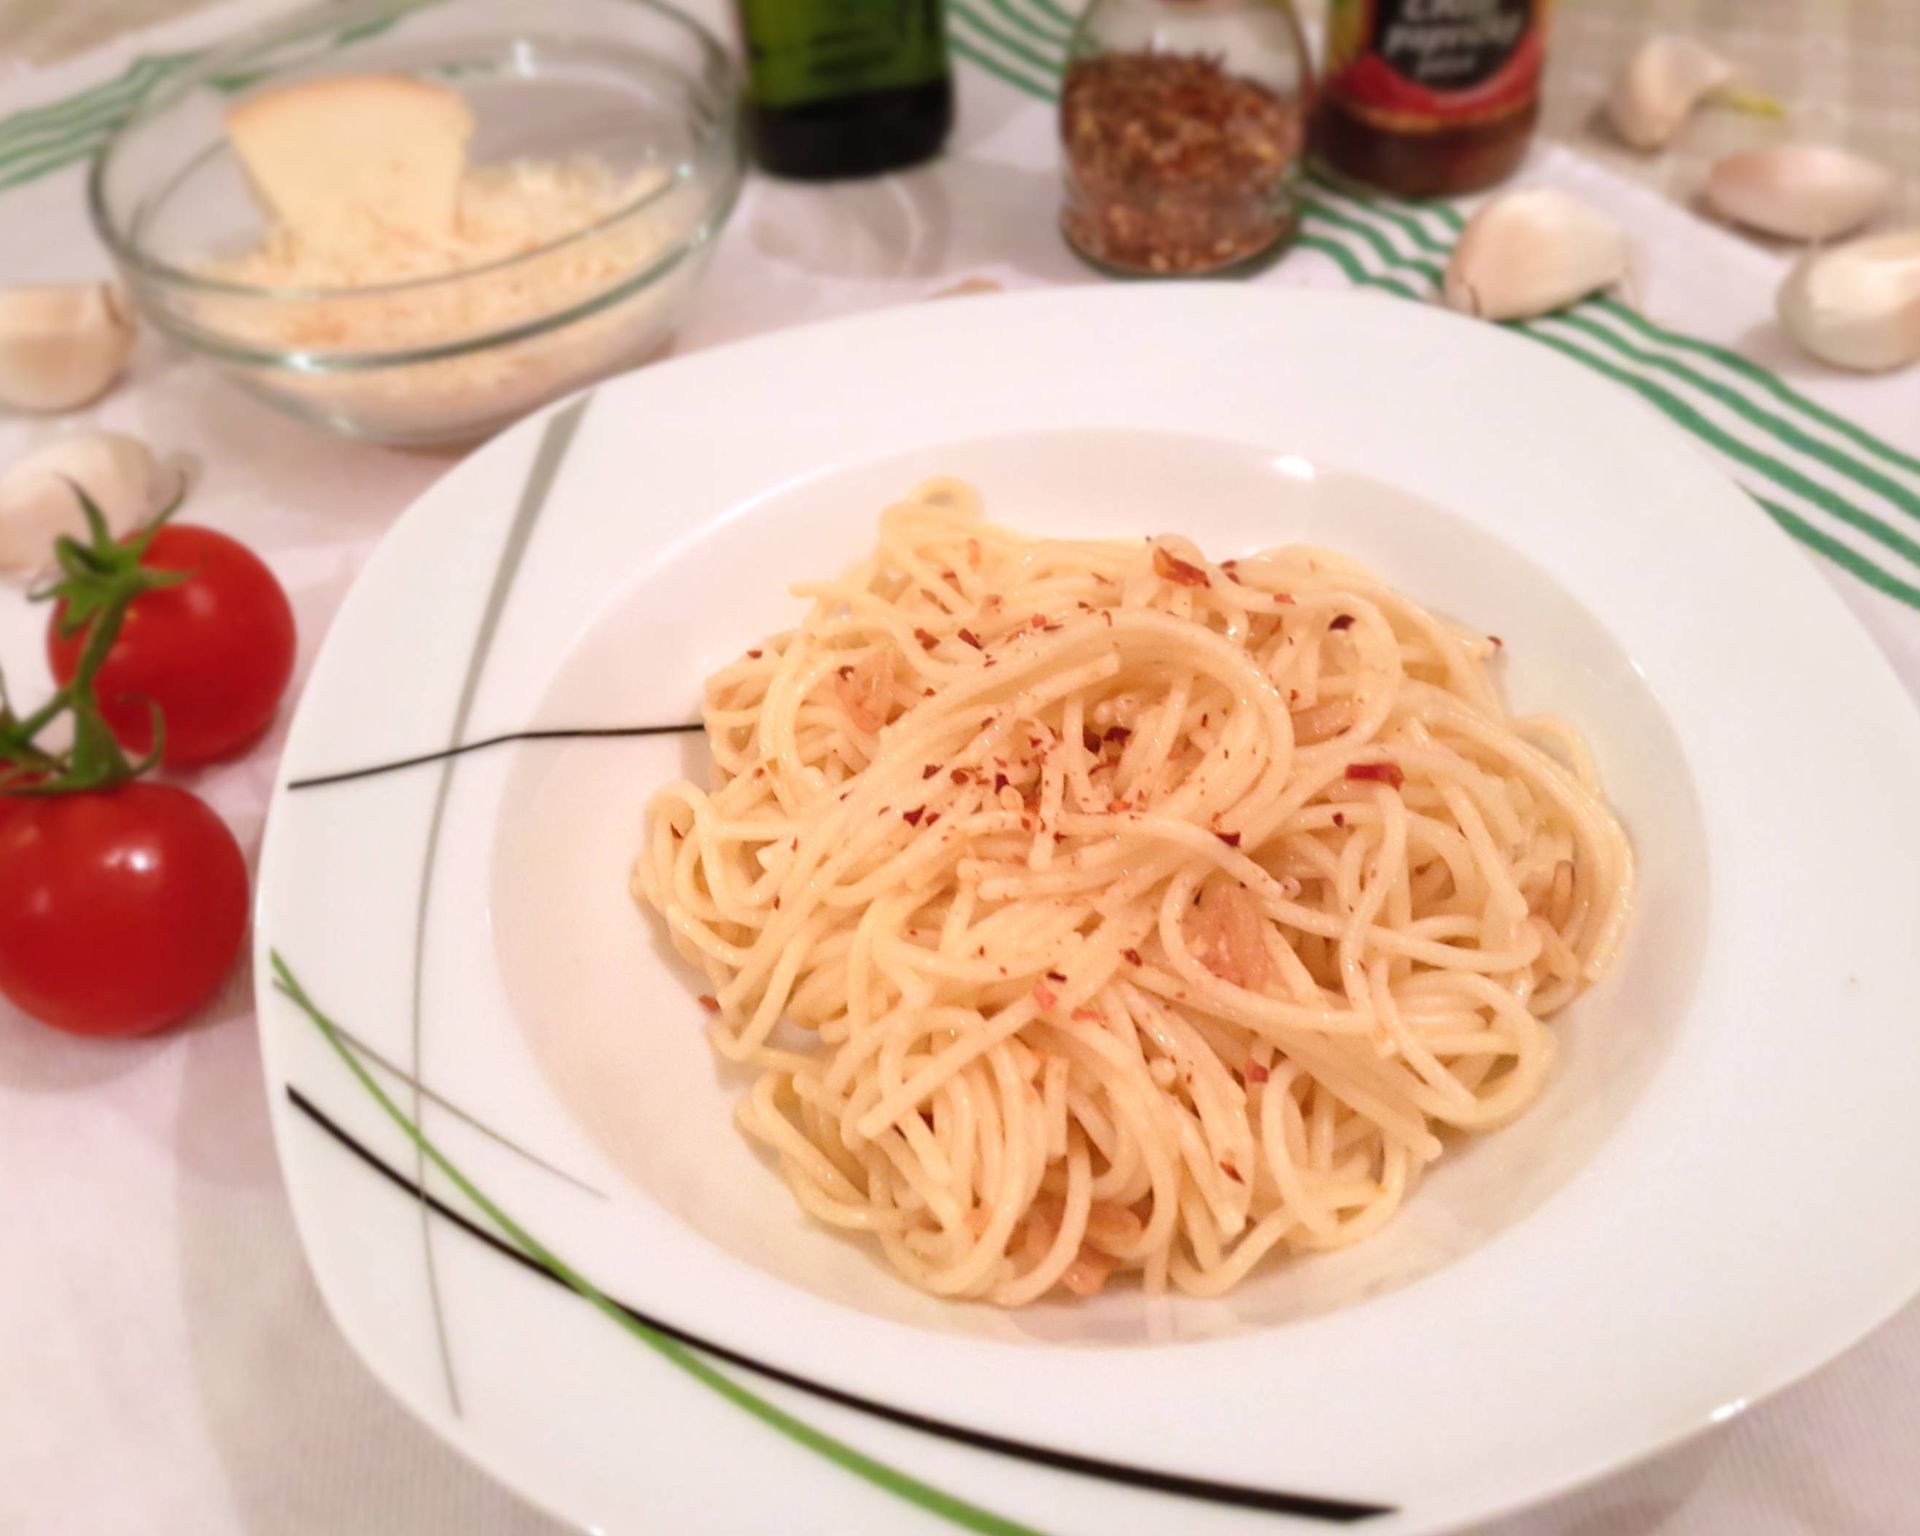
1426 98
845 87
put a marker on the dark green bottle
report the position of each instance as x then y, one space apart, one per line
845 87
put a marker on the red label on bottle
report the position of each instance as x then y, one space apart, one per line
1434 63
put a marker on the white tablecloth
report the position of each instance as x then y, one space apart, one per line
165 1365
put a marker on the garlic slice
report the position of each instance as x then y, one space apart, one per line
61 347
1663 82
1530 252
1857 305
37 504
1800 191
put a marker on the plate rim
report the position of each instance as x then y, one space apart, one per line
1813 592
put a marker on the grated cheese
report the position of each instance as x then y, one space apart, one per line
504 212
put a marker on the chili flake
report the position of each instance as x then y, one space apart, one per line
1174 165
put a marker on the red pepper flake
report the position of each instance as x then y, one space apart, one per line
1038 621
1118 733
1116 806
990 662
948 573
1170 567
844 671
709 1002
755 655
1000 782
1055 976
927 641
912 817
930 770
1131 956
1107 614
795 845
1339 820
1088 1015
1341 621
1257 1073
1229 565
1231 839
926 693
971 639
1231 1172
776 903
1383 773
1059 837
961 776
933 818
1283 597
1498 643
1175 164
1045 997
1090 740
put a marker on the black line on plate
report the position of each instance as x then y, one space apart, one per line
1306 1506
560 733
556 437
460 1114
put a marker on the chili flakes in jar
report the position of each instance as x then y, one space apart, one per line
1174 166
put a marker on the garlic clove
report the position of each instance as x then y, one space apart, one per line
37 504
1530 252
61 347
1800 191
1663 82
1857 305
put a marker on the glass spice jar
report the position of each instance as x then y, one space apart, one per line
1182 124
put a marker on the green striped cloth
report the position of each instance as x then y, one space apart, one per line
1841 490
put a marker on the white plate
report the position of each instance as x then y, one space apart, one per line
1715 1197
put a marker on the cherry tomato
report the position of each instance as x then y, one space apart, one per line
120 910
213 652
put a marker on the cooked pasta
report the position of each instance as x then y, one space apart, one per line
1091 908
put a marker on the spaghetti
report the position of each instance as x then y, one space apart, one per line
1089 907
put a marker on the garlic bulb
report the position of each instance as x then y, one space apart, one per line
1530 252
61 347
1800 191
1857 305
37 504
1663 82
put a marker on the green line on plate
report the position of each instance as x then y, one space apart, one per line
890 1479
1009 44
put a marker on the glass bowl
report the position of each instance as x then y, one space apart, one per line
632 85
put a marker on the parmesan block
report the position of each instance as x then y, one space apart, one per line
336 160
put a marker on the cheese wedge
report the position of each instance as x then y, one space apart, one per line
332 159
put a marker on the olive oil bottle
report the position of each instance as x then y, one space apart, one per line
845 87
